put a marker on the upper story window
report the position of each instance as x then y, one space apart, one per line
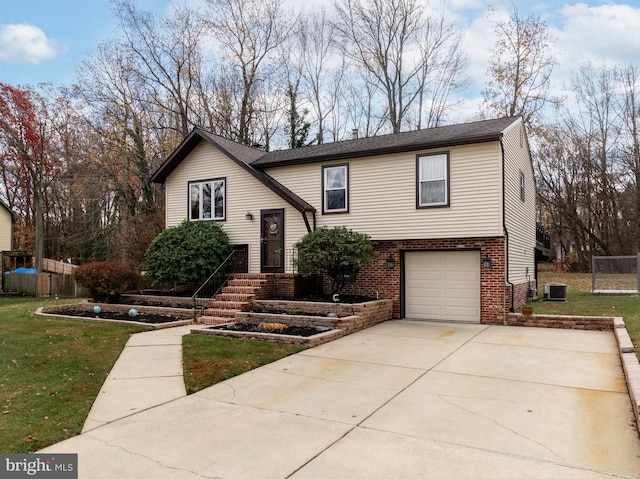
433 180
522 186
335 182
207 200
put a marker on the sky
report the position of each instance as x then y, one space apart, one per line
46 40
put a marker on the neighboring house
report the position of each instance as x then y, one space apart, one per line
451 210
6 236
6 227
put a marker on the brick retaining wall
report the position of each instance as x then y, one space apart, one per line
351 317
592 323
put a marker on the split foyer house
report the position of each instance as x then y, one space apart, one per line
451 210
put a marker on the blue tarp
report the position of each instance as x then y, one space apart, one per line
25 270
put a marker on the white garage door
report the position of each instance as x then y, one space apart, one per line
442 285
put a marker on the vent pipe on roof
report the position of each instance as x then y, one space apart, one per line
354 134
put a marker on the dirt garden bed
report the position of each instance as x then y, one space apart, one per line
331 320
152 316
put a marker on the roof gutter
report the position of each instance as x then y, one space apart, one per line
264 162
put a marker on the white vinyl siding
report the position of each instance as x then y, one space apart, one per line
6 229
382 195
520 214
442 285
243 193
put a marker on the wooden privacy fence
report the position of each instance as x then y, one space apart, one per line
43 284
59 267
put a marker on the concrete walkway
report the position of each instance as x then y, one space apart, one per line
400 400
147 373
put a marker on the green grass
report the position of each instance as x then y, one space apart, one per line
210 359
580 301
52 370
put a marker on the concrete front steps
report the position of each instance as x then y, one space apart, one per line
234 297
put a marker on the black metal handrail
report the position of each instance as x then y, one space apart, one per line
214 284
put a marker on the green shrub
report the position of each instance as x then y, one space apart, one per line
105 280
187 253
338 252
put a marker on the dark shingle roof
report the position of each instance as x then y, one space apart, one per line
254 160
234 150
241 154
461 134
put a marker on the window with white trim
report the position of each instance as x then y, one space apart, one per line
433 180
207 200
522 186
335 180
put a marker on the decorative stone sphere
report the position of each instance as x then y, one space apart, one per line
97 309
133 313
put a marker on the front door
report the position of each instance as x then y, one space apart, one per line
272 241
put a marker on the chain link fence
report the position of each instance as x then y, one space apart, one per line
615 274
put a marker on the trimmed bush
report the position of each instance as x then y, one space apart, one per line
338 252
188 253
105 280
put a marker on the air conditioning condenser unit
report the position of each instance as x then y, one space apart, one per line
555 292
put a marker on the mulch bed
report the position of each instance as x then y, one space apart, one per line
289 330
327 298
123 316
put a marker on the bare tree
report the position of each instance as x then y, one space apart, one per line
167 57
321 70
401 48
629 112
442 73
597 123
251 33
587 165
520 68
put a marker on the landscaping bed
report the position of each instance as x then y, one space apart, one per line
330 319
151 316
308 336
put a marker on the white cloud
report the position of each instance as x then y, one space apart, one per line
479 39
23 43
606 35
466 4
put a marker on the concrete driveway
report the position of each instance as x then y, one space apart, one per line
403 399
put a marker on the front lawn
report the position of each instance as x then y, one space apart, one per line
210 359
52 370
580 301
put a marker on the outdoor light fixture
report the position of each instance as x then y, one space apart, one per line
249 216
391 262
486 261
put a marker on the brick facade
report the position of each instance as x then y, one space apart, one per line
380 281
521 293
